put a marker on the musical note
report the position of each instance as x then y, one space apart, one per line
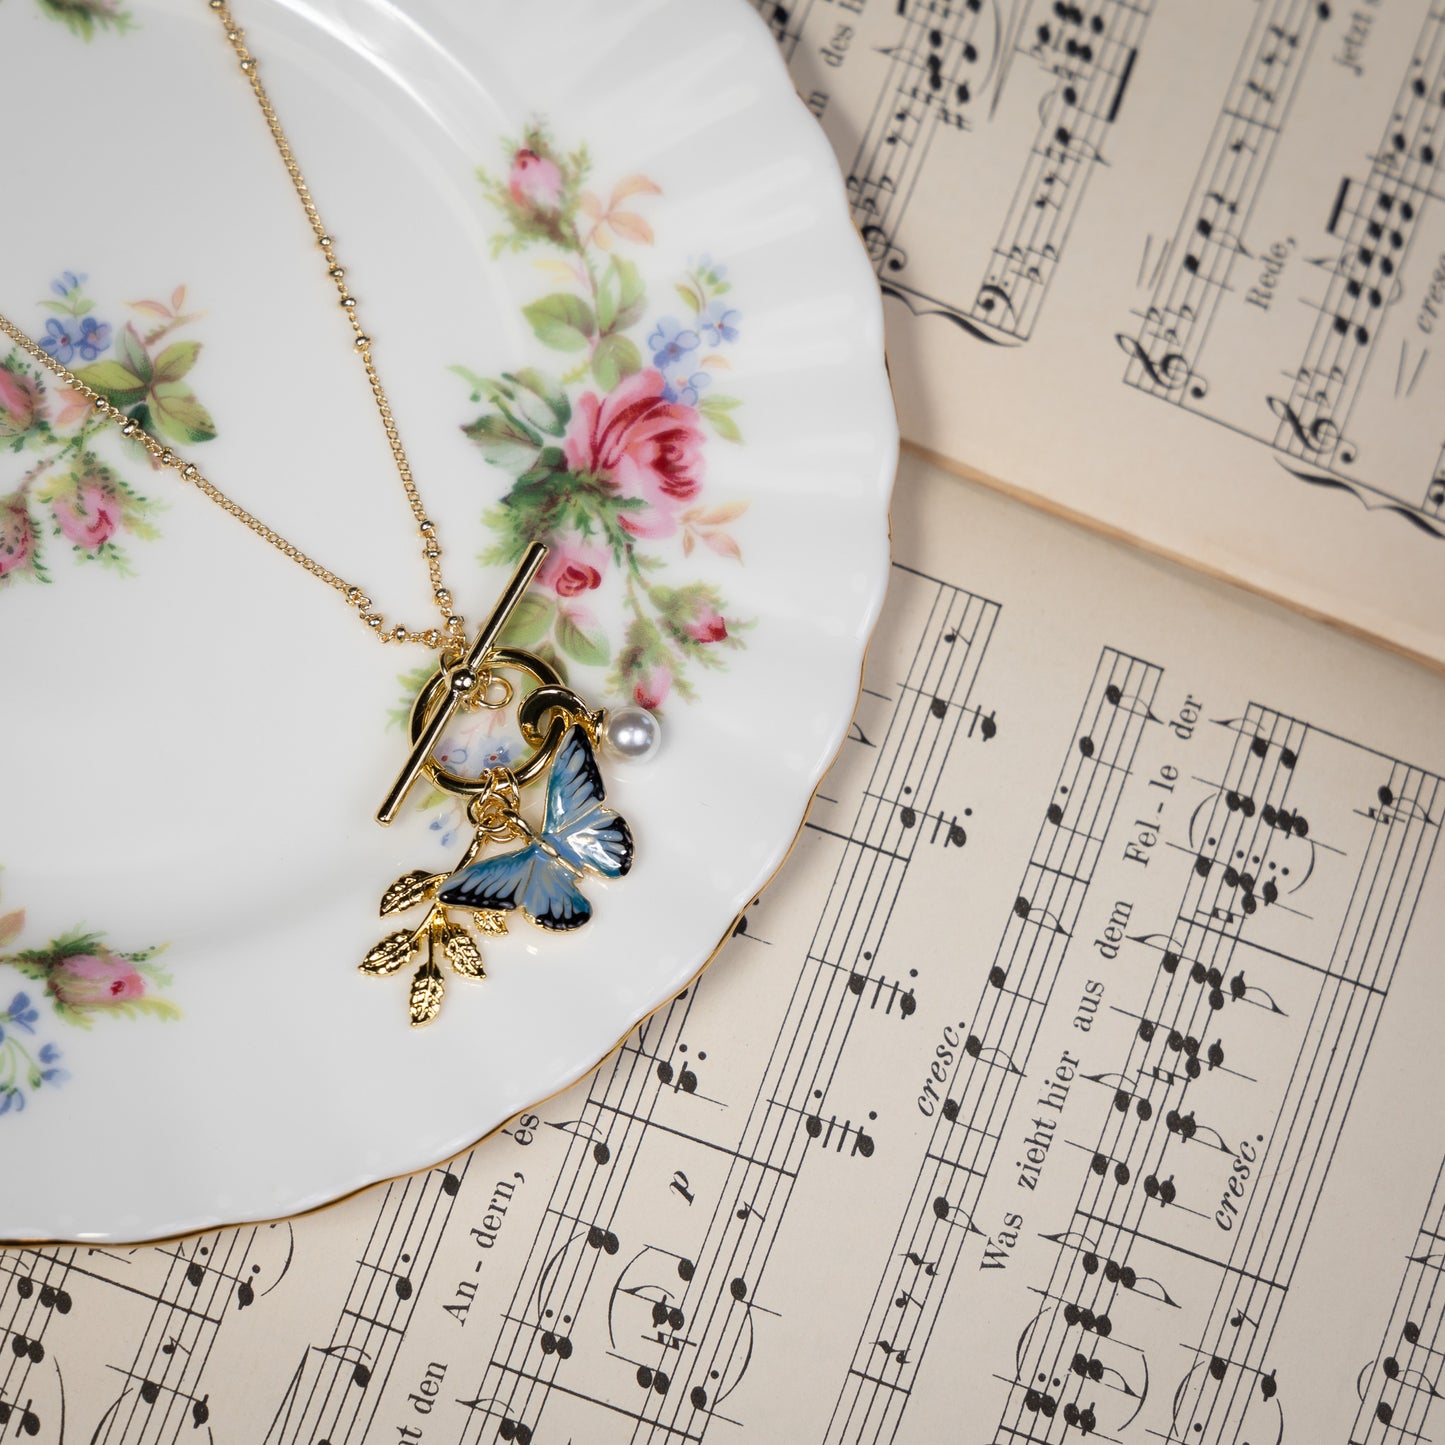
586 1130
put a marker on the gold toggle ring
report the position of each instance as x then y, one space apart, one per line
544 715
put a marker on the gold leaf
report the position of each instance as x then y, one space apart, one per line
489 923
388 955
463 954
427 989
408 891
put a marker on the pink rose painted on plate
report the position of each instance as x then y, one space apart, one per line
89 516
572 567
18 542
708 626
22 403
609 459
652 688
81 979
645 446
535 181
95 980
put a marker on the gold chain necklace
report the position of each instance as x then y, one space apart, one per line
579 834
453 629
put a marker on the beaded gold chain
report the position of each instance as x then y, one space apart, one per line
451 634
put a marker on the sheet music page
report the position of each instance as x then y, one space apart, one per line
1180 267
1078 1076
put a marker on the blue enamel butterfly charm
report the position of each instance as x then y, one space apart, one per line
578 835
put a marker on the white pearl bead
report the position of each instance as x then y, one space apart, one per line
633 733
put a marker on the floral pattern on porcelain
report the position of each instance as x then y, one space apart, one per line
608 459
65 493
79 978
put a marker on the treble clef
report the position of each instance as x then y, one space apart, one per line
1170 371
1320 435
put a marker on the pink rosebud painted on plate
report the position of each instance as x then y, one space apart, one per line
652 688
572 567
89 515
708 626
17 536
86 981
21 404
535 182
643 445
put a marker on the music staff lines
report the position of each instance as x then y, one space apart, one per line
1403 1383
1209 928
1312 420
789 1115
30 1395
336 1388
161 1394
858 842
947 57
558 1274
1249 816
711 1145
1176 1248
925 88
1092 69
72 1268
1071 1280
1164 358
549 1384
1314 425
928 1243
877 1381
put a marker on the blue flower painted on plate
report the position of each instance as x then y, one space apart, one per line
93 339
685 388
67 282
61 339
713 272
670 343
19 1068
719 323
21 1013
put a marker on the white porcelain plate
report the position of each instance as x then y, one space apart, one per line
624 209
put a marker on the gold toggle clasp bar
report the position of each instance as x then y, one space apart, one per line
461 679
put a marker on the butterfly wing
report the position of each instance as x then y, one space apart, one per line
527 879
601 841
583 832
574 784
498 883
578 829
552 900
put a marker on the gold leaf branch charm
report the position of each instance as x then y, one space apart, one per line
438 938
